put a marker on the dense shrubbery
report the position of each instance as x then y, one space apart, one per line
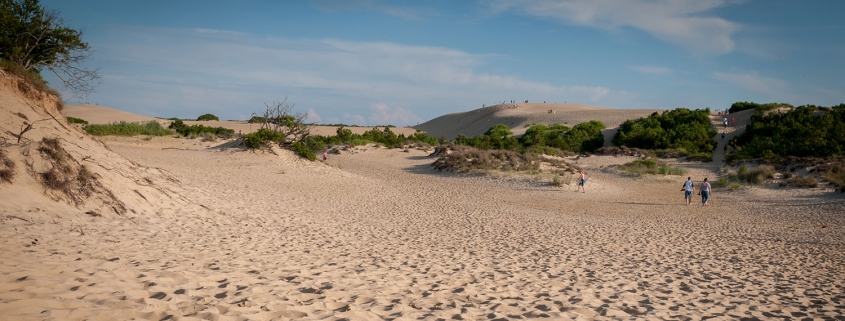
208 117
197 130
384 137
688 132
74 120
152 128
257 120
744 105
773 136
551 140
262 138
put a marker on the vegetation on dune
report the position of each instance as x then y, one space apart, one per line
651 166
745 105
193 131
7 167
152 128
773 136
74 120
33 39
557 139
683 131
207 117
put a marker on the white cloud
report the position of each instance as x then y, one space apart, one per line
656 70
312 116
680 22
183 72
386 115
752 81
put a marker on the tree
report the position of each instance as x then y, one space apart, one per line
36 38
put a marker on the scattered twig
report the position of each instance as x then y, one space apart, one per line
25 129
20 218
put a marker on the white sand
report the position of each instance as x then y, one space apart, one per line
376 234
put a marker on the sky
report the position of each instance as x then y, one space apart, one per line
373 62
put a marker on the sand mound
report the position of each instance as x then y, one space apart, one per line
519 116
59 170
95 114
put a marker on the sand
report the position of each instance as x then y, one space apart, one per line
375 233
95 114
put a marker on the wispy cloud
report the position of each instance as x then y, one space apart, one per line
404 12
752 81
204 70
656 70
681 22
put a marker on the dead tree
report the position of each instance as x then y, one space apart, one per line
280 118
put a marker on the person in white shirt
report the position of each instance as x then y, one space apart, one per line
705 192
688 189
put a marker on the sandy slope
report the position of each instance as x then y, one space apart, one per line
105 115
520 116
376 234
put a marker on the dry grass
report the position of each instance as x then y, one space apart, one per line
756 175
7 167
800 181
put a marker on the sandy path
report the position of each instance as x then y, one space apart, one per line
378 235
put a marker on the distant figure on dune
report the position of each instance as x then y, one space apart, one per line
705 192
581 180
325 155
688 189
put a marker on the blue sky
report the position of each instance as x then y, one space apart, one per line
371 62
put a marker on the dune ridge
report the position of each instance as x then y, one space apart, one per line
519 116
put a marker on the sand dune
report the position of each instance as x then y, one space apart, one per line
376 234
519 116
105 115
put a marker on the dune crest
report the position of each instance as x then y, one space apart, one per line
519 116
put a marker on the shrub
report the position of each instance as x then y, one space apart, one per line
562 180
152 128
801 181
772 137
257 120
207 117
74 120
303 150
681 129
194 131
262 138
756 175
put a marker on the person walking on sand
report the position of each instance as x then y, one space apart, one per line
581 180
325 155
705 192
688 189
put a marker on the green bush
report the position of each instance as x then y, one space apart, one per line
208 117
194 131
681 129
74 120
744 105
303 150
772 137
152 128
262 139
257 120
